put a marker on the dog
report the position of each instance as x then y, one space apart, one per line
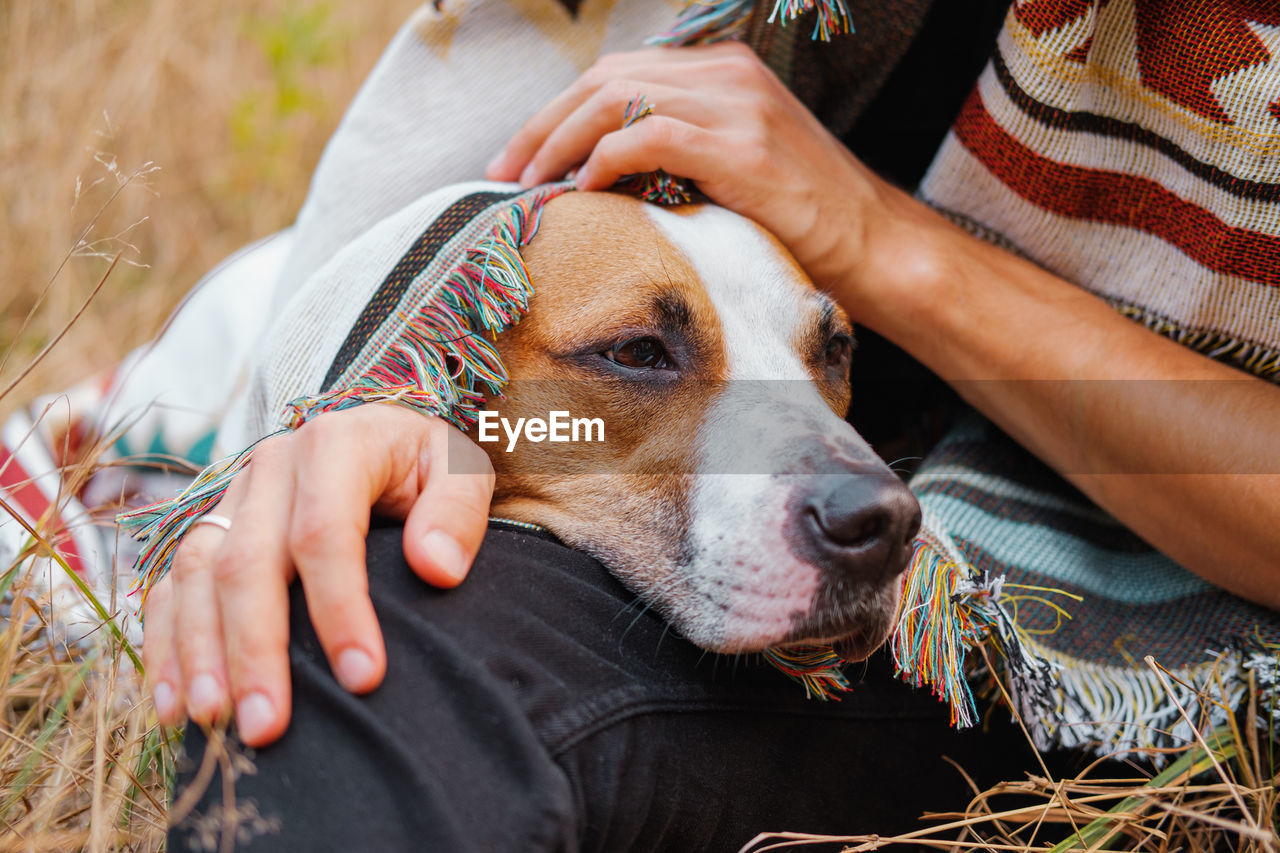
729 493
724 490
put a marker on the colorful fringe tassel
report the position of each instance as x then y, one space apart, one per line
702 22
833 16
818 668
947 609
162 525
440 363
657 187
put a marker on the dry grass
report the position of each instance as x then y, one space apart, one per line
232 102
1221 793
161 136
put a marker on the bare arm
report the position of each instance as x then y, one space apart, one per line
1182 449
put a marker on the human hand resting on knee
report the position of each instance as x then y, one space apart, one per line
217 626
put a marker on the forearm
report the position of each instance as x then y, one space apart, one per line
1180 448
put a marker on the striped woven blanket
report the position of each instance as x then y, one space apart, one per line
1091 600
1132 147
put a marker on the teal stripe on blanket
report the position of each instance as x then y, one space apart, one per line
1147 578
941 476
199 453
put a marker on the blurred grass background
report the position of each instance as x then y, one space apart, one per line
231 101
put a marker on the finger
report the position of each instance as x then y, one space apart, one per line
159 655
344 466
676 67
515 156
512 160
200 651
448 520
252 573
658 142
571 141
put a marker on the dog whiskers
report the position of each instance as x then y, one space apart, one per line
639 615
652 593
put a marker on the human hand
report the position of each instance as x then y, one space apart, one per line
725 121
217 627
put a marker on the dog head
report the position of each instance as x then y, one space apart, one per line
728 492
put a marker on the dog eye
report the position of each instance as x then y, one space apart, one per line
640 354
839 349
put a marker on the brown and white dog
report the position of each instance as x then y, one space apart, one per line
729 493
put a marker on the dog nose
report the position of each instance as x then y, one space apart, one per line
864 525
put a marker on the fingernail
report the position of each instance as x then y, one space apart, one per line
254 716
446 553
526 177
497 162
163 698
354 670
205 696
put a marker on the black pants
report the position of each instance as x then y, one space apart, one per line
538 707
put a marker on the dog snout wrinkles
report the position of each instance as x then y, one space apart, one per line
863 525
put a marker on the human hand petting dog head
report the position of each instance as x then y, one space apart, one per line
723 120
304 504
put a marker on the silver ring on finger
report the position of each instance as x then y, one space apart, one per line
216 520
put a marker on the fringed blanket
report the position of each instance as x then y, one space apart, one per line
1132 147
1092 144
1092 600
